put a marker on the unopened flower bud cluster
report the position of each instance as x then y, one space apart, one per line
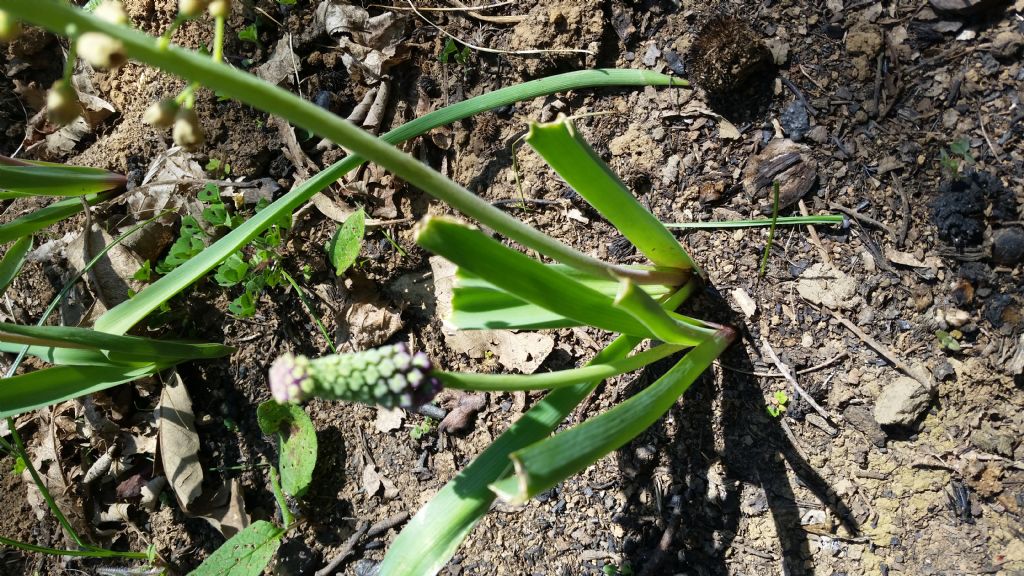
389 376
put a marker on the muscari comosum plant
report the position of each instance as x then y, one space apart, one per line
500 287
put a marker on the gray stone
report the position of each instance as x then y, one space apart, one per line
963 7
1008 246
794 120
901 402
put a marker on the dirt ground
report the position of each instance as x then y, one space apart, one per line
905 326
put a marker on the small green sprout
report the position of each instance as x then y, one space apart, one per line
250 34
778 403
422 429
451 51
949 341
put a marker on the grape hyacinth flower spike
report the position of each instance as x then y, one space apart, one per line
388 376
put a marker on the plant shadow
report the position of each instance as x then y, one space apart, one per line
716 458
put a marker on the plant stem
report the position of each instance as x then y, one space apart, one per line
275 486
127 314
553 380
771 229
758 222
218 39
309 307
80 553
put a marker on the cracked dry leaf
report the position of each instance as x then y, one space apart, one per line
111 278
179 442
515 351
370 45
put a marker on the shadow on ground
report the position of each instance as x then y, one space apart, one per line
685 475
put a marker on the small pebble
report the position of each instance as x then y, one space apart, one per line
795 121
1008 246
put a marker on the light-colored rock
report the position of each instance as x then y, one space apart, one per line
826 286
901 402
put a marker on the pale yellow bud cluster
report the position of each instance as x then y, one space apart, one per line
9 27
62 105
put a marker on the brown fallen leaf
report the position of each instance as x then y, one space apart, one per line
179 442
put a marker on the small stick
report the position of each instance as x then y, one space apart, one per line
799 95
814 235
785 373
878 347
858 216
386 524
995 151
814 368
901 238
346 549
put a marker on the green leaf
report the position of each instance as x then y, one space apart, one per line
117 348
52 180
546 463
232 271
347 241
249 34
26 392
43 217
296 443
244 554
12 261
523 276
565 150
478 304
210 193
244 306
947 341
781 397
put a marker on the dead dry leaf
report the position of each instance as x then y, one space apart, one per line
179 442
371 480
516 351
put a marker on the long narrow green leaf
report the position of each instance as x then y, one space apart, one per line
759 222
118 348
657 320
55 181
554 380
522 276
26 392
434 533
12 262
65 356
478 304
546 463
565 150
39 219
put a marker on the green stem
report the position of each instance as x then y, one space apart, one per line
661 324
554 380
80 553
69 64
759 222
218 39
275 486
56 16
309 307
20 446
771 229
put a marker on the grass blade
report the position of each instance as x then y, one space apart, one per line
759 222
657 320
522 276
13 260
544 464
41 388
565 150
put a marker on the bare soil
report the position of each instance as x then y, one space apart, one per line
875 93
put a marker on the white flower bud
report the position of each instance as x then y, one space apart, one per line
9 27
220 8
161 114
112 11
100 50
187 132
192 8
62 104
